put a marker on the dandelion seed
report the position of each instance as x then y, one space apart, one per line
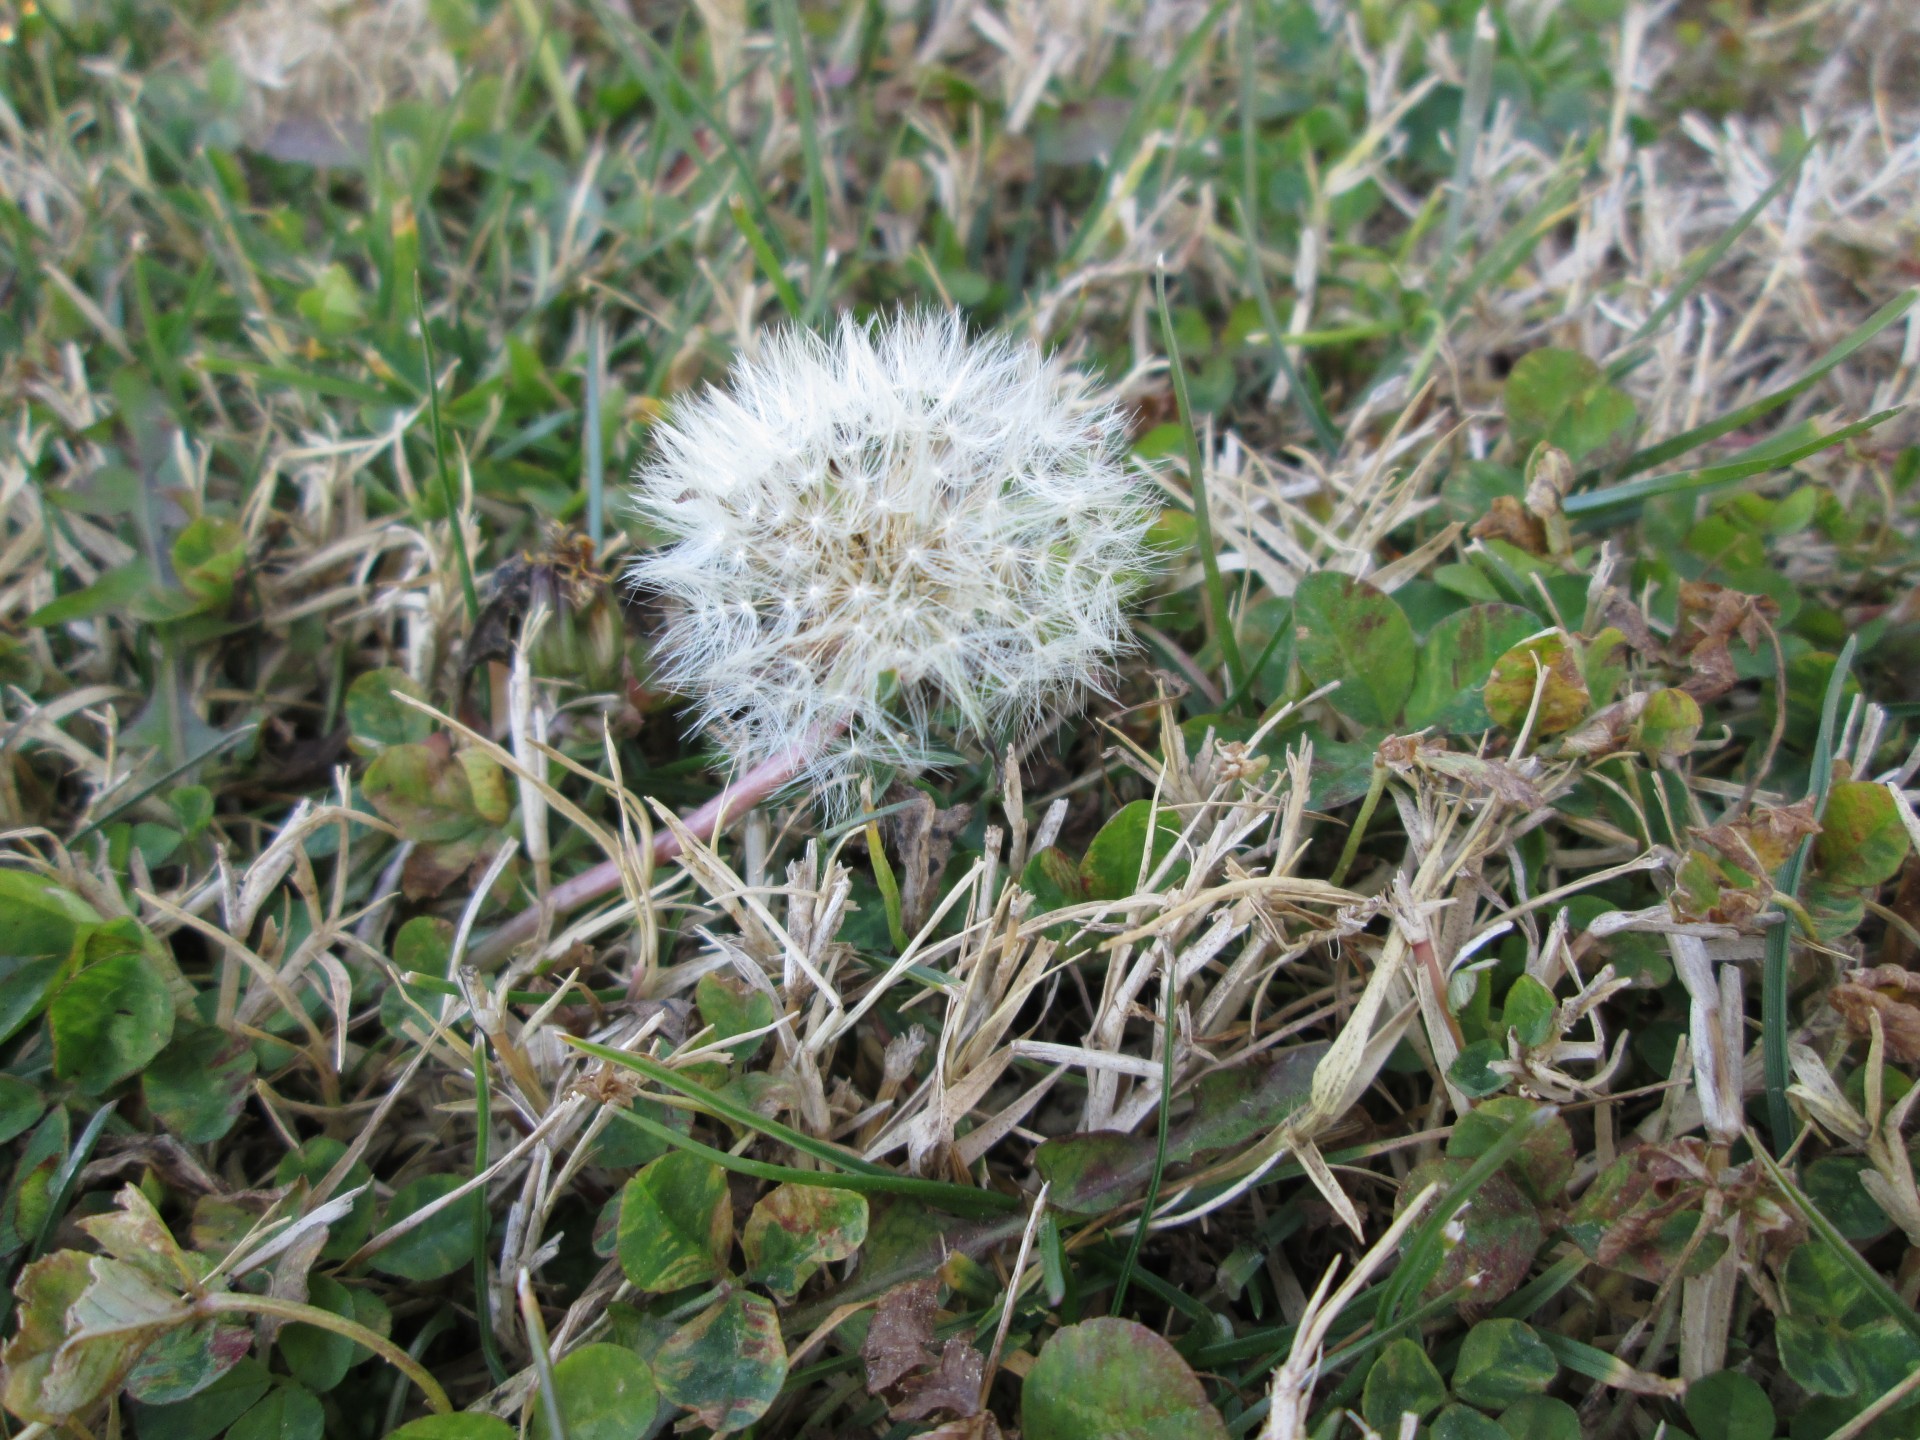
934 461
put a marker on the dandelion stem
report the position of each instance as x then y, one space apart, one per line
603 879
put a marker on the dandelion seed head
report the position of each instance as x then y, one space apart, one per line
924 534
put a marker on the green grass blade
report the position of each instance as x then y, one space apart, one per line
1739 419
787 16
1420 1259
958 1199
1869 1278
1163 1110
596 461
1711 477
1776 962
1473 112
1135 132
1690 279
553 76
765 256
458 533
1217 609
482 1291
868 1175
1301 383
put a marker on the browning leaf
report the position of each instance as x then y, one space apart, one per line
901 1331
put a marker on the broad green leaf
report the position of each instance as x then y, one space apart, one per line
795 1229
312 1162
21 1103
1462 1422
1540 1417
1402 1381
198 1085
1835 1338
1667 726
377 718
733 1007
29 1188
1495 1236
115 590
45 1378
1472 1071
317 1358
1549 662
606 1392
1561 397
1455 662
1116 1379
422 791
1053 880
1347 630
1501 1361
108 1021
1111 869
1096 1171
458 1426
439 1245
23 990
39 917
727 1364
1728 1406
1544 1162
208 556
286 1412
208 1412
676 1223
1862 839
1833 1183
623 1147
333 304
186 1359
1531 1011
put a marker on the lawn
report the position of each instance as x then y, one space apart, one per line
986 718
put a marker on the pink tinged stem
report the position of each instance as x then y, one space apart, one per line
703 823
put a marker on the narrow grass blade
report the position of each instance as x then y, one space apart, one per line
958 1199
1690 279
547 56
448 498
1473 112
1733 420
1614 498
1217 610
482 1290
1162 1111
1135 132
1776 963
787 16
596 461
1300 380
767 258
869 1175
1421 1259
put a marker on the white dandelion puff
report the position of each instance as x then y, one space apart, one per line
889 535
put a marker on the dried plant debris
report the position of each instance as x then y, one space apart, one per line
1369 557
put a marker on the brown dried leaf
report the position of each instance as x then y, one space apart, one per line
923 836
901 1331
952 1385
1761 842
1709 619
1507 519
1891 991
